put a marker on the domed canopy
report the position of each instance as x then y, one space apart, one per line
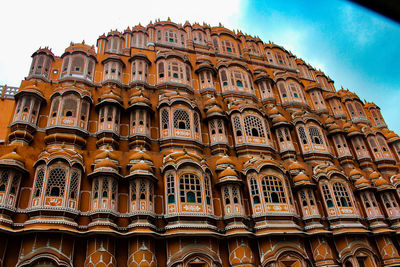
302 180
224 160
139 155
362 183
355 172
374 175
141 166
296 166
107 164
13 159
105 154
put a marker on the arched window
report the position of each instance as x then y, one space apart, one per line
96 189
327 196
341 195
171 189
161 70
69 107
253 126
73 185
303 136
254 191
207 190
56 183
39 183
315 136
181 119
237 126
224 78
273 190
77 64
165 119
4 180
190 189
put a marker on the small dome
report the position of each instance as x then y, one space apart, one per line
333 127
224 160
13 156
110 95
355 172
106 154
227 172
361 181
353 129
296 166
141 166
106 163
210 102
329 120
140 100
279 119
347 125
381 181
272 111
374 175
140 155
300 178
215 109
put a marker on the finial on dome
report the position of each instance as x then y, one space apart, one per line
15 149
185 151
169 19
35 83
63 145
83 41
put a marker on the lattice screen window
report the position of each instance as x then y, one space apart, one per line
196 122
207 190
238 76
69 107
188 75
253 126
359 109
150 192
165 119
327 196
190 189
39 182
294 90
303 198
350 108
280 136
224 78
273 190
77 64
311 197
65 65
4 180
341 195
27 105
227 196
56 183
96 189
114 190
372 142
170 189
220 126
14 184
303 136
212 127
254 191
161 70
142 189
382 143
282 89
90 69
73 185
133 191
315 135
84 110
237 126
104 188
215 43
235 194
181 120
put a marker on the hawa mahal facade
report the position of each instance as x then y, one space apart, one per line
190 145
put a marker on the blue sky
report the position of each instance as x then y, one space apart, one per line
354 46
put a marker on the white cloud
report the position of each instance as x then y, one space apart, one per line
27 25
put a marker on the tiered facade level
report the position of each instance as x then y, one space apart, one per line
192 145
